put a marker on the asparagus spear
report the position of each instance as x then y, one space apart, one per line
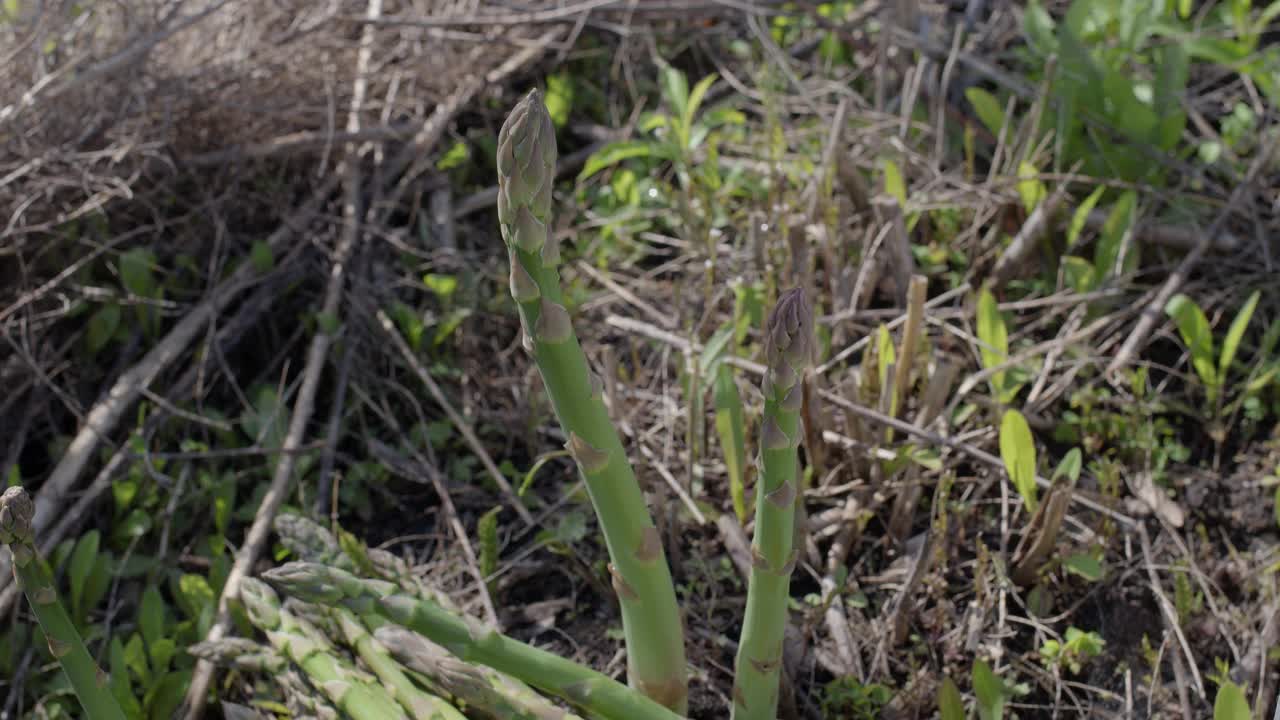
789 346
468 640
483 690
651 619
250 656
341 622
353 693
29 569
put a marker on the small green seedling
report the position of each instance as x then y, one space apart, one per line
1076 649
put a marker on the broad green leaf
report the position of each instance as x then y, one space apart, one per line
151 616
1081 214
102 327
995 341
1231 703
894 185
731 429
989 690
80 566
1084 565
950 703
987 108
121 684
1018 450
614 153
1193 326
1172 70
1030 188
1115 231
1069 466
1231 343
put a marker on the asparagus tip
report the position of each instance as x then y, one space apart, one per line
16 512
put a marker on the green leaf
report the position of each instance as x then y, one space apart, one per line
885 354
487 530
102 327
1193 326
456 156
80 566
136 272
1231 703
713 351
135 657
559 97
1081 214
442 285
731 429
950 703
1231 343
995 341
1069 466
1084 565
165 697
161 653
695 100
1079 274
194 594
675 89
151 616
987 108
989 690
1114 233
1030 188
614 153
894 185
1018 450
261 256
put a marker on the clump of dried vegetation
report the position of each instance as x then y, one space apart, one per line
251 273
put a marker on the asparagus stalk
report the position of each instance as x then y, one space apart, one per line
353 693
483 690
312 542
651 619
30 571
249 656
341 622
467 639
789 346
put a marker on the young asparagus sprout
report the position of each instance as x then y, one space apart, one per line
651 620
87 680
468 640
789 347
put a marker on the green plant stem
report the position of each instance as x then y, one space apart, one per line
758 666
468 640
88 681
419 704
651 618
480 688
297 640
